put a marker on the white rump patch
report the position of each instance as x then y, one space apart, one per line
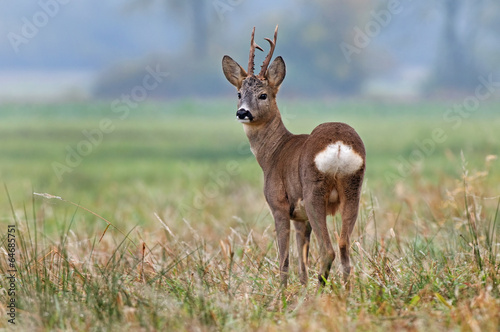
338 158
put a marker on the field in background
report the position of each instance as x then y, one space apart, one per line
191 242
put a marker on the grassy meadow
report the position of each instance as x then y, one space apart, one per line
153 218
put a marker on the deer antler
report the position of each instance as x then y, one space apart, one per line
267 60
253 46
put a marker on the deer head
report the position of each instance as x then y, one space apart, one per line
256 94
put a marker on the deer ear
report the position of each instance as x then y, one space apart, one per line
276 72
234 73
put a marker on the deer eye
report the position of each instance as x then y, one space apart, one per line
239 95
263 96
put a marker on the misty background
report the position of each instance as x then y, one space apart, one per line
52 50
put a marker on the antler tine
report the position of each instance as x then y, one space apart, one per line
253 46
268 58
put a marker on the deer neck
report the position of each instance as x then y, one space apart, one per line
267 139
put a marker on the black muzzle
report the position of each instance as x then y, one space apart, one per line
243 114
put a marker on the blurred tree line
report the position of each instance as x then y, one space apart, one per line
469 42
312 46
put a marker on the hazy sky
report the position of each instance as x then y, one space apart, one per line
64 34
90 36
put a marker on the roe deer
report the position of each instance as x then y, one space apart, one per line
306 177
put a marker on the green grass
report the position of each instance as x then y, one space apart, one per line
191 243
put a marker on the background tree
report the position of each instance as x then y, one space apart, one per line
324 25
195 12
468 29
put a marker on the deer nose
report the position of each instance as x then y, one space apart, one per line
243 114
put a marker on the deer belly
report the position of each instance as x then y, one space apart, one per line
299 211
334 196
338 158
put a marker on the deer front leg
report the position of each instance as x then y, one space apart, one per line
303 235
282 224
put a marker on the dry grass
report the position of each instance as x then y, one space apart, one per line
429 262
191 245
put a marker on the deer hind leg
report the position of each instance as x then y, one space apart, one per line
316 212
349 214
303 235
